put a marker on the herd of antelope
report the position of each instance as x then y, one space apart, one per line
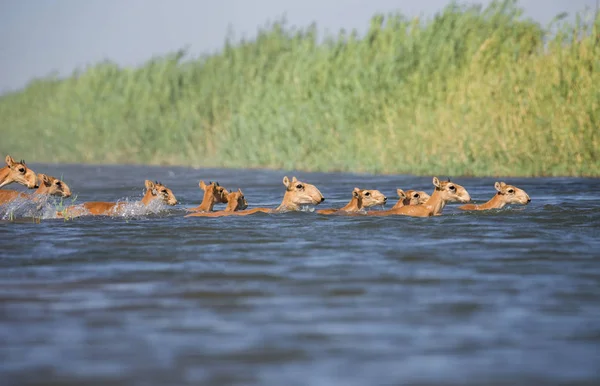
297 194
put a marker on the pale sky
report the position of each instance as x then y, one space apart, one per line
38 37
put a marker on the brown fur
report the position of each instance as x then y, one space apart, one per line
17 172
360 199
235 201
154 190
297 194
213 194
48 186
410 197
506 195
445 191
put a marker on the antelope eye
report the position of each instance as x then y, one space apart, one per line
21 170
299 186
164 191
416 195
511 191
452 187
367 194
58 183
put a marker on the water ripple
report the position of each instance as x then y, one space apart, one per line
150 297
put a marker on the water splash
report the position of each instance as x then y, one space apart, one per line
126 209
38 207
46 207
131 209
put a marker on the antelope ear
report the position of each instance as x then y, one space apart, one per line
294 180
217 184
356 192
401 193
240 191
286 182
202 185
9 161
436 182
44 178
498 186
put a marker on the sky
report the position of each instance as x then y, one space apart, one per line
39 37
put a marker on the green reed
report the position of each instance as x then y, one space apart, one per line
471 91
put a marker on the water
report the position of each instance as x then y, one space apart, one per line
504 297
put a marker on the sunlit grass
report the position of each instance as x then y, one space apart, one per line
472 91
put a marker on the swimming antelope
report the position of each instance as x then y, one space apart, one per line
361 198
297 194
49 186
410 197
154 191
17 172
505 195
235 201
444 192
213 194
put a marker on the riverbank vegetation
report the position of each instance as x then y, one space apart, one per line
470 91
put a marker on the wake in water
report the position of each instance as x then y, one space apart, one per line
47 207
123 209
43 207
131 209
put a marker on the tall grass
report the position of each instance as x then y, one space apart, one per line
471 91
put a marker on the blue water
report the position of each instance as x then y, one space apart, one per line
508 297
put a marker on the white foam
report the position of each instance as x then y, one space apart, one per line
42 207
127 209
307 208
45 207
